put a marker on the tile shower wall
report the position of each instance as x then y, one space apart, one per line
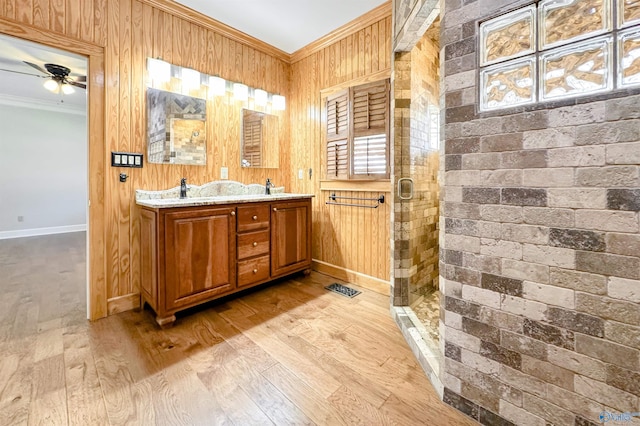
540 246
416 77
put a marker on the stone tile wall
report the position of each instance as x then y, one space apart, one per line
416 77
540 247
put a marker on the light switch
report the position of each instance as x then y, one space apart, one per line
224 173
301 174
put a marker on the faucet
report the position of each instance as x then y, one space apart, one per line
267 187
183 188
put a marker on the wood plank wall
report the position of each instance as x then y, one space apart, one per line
130 31
344 238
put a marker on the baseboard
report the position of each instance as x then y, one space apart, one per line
370 283
124 303
42 231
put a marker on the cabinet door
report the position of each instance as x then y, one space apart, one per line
200 250
290 237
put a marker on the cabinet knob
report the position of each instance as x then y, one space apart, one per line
275 209
255 271
255 218
255 244
233 213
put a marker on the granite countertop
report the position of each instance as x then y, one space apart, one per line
217 199
213 193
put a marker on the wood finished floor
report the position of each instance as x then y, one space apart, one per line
288 354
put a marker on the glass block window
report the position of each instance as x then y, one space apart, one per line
556 49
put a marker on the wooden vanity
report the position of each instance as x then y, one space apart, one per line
196 252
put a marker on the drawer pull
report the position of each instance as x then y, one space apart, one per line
255 218
233 213
255 271
255 244
275 209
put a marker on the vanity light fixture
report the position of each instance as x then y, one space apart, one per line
190 79
159 70
260 97
278 102
217 85
240 91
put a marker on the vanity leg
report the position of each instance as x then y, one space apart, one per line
165 322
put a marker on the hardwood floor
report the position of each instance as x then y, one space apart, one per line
288 354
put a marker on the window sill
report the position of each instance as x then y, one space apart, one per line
382 185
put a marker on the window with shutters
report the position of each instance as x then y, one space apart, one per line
358 132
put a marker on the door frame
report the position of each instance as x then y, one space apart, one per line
96 259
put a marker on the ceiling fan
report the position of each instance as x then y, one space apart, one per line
57 76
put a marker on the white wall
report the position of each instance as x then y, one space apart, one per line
43 169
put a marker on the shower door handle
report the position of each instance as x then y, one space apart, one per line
410 188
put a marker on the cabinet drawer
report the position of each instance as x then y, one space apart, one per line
253 270
253 244
251 218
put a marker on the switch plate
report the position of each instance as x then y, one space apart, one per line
126 159
224 173
301 174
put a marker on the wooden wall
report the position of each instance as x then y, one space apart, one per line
118 35
127 32
349 242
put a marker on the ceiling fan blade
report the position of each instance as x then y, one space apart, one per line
80 78
75 83
39 68
24 73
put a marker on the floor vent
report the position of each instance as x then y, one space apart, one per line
343 290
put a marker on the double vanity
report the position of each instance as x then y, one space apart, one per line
223 238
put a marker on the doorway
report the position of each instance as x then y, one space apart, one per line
416 295
44 171
95 255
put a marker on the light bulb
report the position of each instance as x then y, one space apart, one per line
240 91
278 102
260 97
67 89
51 85
190 78
159 70
217 86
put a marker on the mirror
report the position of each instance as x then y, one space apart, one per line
260 144
176 128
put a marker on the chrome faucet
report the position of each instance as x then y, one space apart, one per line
183 188
267 187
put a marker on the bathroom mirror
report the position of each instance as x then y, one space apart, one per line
260 140
176 128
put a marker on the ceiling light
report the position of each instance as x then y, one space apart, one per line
278 102
260 97
190 78
159 70
67 89
240 91
217 86
51 85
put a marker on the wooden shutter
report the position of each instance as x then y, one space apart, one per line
252 142
370 128
337 135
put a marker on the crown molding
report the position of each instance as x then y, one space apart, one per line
24 102
205 21
381 12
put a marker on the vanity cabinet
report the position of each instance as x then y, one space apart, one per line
290 236
193 254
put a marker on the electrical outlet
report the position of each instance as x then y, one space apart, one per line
301 174
224 173
20 218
